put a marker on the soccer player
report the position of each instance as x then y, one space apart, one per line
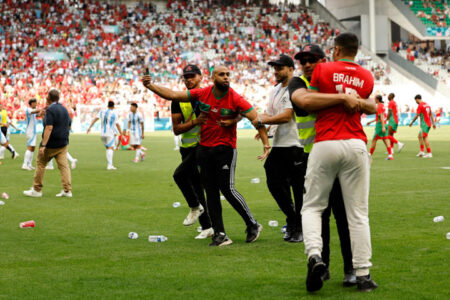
380 129
30 113
339 151
392 118
426 120
108 118
4 124
309 58
136 126
217 152
283 165
186 122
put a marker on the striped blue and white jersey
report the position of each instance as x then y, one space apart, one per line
109 118
31 121
135 122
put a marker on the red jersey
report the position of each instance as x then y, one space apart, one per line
380 111
424 110
438 113
227 107
393 107
343 76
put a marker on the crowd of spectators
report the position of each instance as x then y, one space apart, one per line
435 62
95 51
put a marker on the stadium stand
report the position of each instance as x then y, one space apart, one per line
96 51
434 14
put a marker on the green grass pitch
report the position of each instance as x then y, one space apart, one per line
80 249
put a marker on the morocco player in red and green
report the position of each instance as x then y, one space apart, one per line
380 129
217 151
426 121
393 123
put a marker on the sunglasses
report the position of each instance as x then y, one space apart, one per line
311 60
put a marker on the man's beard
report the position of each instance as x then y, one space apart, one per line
222 87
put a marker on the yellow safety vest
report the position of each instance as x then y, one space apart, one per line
306 127
4 117
191 137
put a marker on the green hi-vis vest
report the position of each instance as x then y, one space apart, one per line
306 127
191 137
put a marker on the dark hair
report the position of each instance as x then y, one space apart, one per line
31 101
379 98
349 43
134 104
110 104
418 97
391 96
53 95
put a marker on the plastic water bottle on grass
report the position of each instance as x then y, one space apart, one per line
438 219
157 238
273 223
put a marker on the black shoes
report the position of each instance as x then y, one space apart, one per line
365 283
288 234
326 276
253 232
349 279
296 236
220 239
316 271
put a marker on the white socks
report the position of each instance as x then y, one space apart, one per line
50 163
109 156
177 141
138 153
11 148
69 157
28 158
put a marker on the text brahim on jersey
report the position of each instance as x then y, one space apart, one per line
349 80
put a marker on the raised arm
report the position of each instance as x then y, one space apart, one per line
252 116
165 93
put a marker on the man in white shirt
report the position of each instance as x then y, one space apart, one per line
136 127
284 163
109 118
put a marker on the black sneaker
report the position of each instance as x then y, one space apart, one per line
253 232
288 234
326 276
349 279
316 271
220 239
365 283
297 236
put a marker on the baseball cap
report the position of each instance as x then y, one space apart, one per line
191 69
283 60
310 50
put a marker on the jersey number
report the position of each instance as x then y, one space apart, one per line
348 91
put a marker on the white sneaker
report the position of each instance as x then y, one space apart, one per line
428 155
420 154
64 194
193 215
15 155
176 148
111 168
31 167
32 193
73 165
49 168
400 147
25 167
205 234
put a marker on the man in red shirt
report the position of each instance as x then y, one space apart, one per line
392 118
426 120
339 151
217 151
